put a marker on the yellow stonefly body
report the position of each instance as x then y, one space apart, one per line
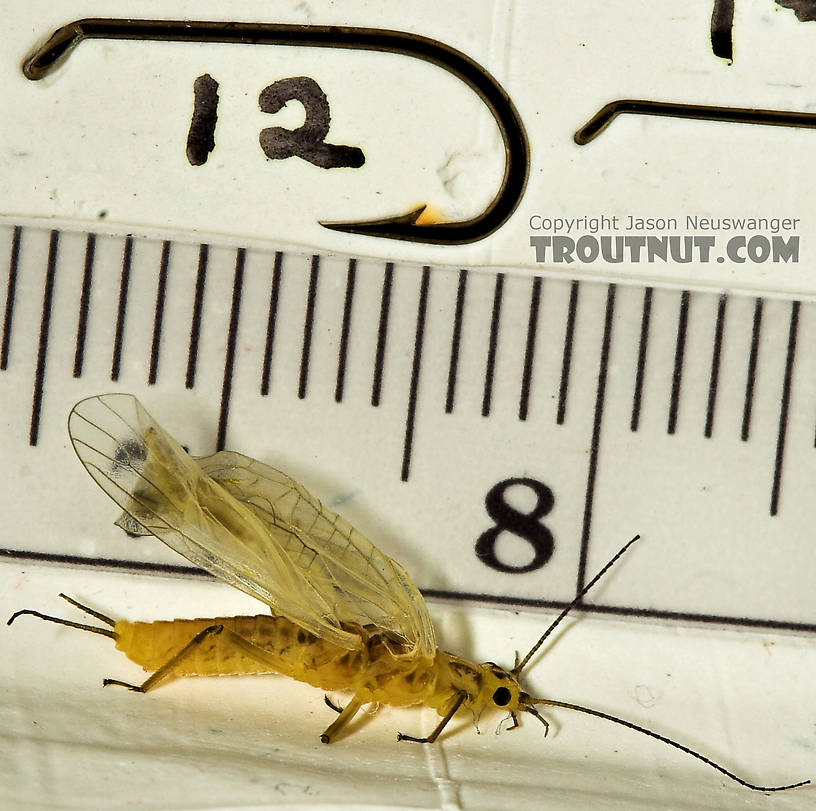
343 616
375 673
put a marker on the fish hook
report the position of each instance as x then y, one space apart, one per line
405 226
697 112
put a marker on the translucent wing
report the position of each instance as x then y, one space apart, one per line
249 525
331 553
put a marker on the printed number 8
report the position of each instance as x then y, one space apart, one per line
525 525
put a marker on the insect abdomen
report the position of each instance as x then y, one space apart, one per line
372 672
153 644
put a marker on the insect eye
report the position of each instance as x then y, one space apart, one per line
501 697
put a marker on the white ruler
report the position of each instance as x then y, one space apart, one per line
499 434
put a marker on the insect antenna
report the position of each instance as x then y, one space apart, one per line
92 628
629 725
82 627
87 610
519 666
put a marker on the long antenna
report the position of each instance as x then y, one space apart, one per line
662 738
520 665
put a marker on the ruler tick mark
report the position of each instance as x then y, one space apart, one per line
232 337
640 373
415 369
785 404
456 337
308 324
42 348
124 284
84 305
715 365
158 315
195 323
566 360
11 292
752 365
493 341
345 330
603 365
382 334
679 352
529 349
271 322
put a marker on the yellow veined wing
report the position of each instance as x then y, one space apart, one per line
249 525
375 589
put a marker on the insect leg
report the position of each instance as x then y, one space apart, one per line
228 637
331 705
345 716
457 702
93 629
166 670
249 649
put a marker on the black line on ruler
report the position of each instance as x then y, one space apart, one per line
596 436
529 348
783 410
492 344
42 348
382 334
124 283
567 358
415 368
679 352
624 611
140 567
105 563
158 316
456 337
232 337
715 365
195 324
84 305
271 322
640 373
345 330
752 365
11 293
308 323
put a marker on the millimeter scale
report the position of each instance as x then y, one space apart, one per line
500 426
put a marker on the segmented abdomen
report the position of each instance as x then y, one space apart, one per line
373 672
153 644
